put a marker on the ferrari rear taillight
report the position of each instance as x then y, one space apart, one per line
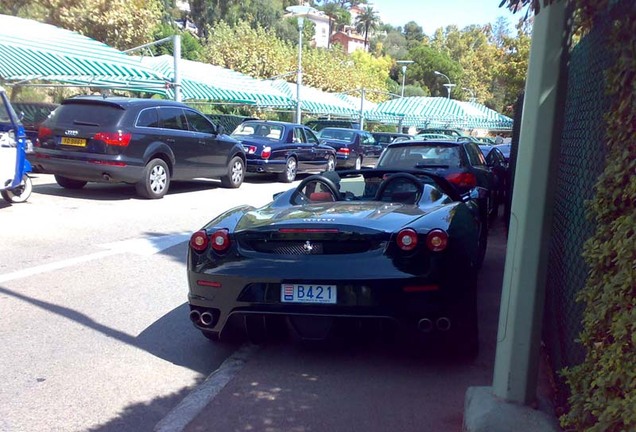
266 152
220 240
437 240
407 239
199 241
344 151
463 180
119 138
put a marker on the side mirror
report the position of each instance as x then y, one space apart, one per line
476 193
220 130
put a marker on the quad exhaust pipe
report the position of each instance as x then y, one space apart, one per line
443 324
206 318
425 325
201 318
195 316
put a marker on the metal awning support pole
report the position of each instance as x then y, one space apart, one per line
176 81
362 95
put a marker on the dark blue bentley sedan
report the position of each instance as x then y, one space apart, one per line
283 148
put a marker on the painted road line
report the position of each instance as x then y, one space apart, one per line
200 397
145 247
31 271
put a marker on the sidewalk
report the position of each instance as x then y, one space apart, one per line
283 387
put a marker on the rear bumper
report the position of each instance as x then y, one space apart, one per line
366 289
345 161
265 166
97 168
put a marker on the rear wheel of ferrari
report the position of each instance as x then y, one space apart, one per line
68 183
289 175
482 244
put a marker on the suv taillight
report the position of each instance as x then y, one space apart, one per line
44 133
118 138
463 180
266 153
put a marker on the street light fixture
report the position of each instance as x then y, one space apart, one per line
448 86
300 12
404 64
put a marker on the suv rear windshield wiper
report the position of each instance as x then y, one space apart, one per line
85 123
424 165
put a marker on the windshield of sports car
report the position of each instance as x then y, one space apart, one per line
420 156
259 130
337 134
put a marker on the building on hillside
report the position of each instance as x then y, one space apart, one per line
321 34
354 11
349 40
321 31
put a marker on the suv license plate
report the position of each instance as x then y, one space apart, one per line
77 142
308 293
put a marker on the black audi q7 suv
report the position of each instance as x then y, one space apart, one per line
145 142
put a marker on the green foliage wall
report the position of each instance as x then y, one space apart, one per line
603 386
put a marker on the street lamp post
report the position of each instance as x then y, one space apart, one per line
404 64
448 86
300 12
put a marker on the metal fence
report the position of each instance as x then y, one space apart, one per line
581 161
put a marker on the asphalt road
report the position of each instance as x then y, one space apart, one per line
95 334
93 315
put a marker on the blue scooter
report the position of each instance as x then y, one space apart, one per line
15 184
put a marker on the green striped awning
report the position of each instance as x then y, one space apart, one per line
316 101
443 112
34 50
206 82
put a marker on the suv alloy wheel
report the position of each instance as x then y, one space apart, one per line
155 180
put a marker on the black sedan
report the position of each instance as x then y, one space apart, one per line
283 148
460 161
355 148
382 246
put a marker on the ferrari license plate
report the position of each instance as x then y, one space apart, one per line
77 142
308 293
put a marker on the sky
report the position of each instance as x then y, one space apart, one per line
432 14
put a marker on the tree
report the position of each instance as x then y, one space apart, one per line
191 48
366 21
119 23
413 33
427 60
